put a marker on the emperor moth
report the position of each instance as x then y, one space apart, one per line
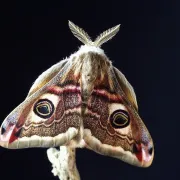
82 101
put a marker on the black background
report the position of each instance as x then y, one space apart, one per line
35 36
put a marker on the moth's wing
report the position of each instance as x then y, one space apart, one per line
112 125
50 115
46 76
126 87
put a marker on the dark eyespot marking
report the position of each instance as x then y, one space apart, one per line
119 119
3 130
150 150
44 108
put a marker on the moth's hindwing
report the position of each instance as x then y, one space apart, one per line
50 115
112 124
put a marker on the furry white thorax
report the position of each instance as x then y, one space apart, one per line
88 48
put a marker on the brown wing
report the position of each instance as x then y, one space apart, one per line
126 87
112 124
46 76
50 115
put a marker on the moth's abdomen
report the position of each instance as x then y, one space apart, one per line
87 77
93 72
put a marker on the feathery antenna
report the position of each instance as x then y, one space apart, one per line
80 33
106 36
84 37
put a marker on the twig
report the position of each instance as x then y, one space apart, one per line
64 163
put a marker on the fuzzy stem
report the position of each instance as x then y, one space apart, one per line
64 163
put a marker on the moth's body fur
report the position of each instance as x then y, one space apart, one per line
82 101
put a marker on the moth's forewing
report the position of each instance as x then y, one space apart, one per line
46 118
46 76
112 124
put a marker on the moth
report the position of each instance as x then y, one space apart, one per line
82 101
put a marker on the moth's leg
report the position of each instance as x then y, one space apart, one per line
64 163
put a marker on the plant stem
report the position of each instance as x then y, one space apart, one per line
64 163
